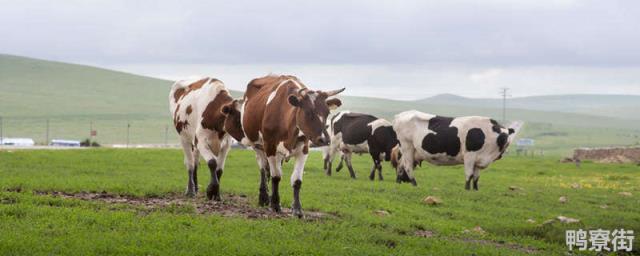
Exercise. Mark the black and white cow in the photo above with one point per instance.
(359, 133)
(473, 141)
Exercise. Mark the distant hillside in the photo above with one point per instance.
(74, 97)
(619, 106)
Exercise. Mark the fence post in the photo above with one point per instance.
(46, 140)
(166, 135)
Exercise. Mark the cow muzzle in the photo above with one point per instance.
(320, 141)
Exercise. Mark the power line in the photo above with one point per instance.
(504, 92)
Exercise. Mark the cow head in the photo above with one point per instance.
(312, 110)
(232, 122)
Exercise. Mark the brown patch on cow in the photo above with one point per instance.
(180, 125)
(212, 116)
(232, 206)
(233, 121)
(183, 91)
(189, 110)
(178, 93)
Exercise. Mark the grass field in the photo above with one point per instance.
(362, 217)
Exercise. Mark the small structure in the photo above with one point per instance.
(524, 145)
(608, 155)
(65, 143)
(20, 142)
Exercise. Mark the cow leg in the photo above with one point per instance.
(405, 170)
(380, 171)
(261, 158)
(326, 157)
(469, 166)
(347, 158)
(222, 156)
(372, 175)
(476, 177)
(190, 164)
(296, 183)
(275, 168)
(205, 146)
(196, 163)
(339, 167)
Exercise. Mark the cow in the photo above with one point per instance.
(474, 141)
(359, 133)
(196, 108)
(281, 117)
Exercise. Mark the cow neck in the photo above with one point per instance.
(294, 133)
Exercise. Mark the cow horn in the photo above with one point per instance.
(334, 92)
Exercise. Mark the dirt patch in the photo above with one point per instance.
(230, 206)
(424, 233)
(502, 244)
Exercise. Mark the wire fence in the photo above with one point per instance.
(106, 131)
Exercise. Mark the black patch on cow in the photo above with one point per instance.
(475, 139)
(502, 141)
(354, 127)
(444, 140)
(383, 140)
(511, 131)
(496, 126)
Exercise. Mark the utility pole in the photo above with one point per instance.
(128, 126)
(46, 141)
(504, 92)
(90, 131)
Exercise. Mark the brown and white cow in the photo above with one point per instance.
(196, 106)
(280, 117)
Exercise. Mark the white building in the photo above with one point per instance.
(21, 142)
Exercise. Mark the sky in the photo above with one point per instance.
(392, 49)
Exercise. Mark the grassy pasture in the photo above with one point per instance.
(373, 218)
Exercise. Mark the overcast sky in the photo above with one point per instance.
(395, 49)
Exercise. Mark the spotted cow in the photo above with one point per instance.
(281, 117)
(196, 106)
(359, 133)
(473, 141)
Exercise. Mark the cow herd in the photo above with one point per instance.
(281, 118)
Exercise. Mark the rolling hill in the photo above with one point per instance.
(70, 98)
(619, 106)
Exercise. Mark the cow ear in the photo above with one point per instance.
(294, 100)
(511, 131)
(334, 103)
(226, 109)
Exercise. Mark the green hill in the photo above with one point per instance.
(619, 106)
(71, 98)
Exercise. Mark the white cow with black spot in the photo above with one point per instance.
(474, 141)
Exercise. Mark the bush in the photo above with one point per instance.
(88, 143)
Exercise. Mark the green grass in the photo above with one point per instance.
(36, 224)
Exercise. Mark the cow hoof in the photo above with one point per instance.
(213, 193)
(263, 200)
(190, 194)
(413, 182)
(371, 177)
(297, 212)
(398, 180)
(276, 208)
